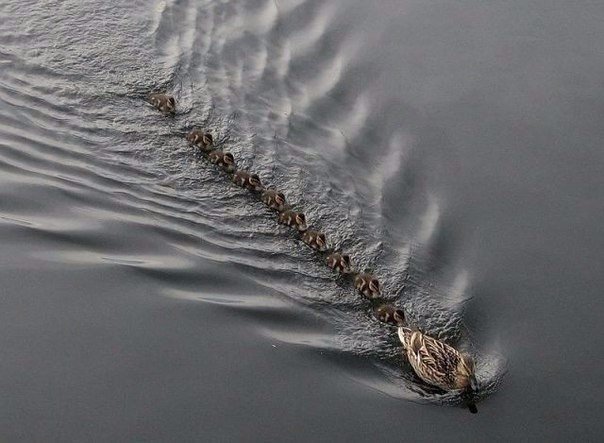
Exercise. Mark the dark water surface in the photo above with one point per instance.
(454, 147)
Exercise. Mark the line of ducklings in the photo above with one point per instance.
(435, 362)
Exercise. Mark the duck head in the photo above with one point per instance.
(467, 370)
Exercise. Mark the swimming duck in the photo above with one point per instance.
(165, 103)
(367, 285)
(437, 363)
(339, 262)
(203, 140)
(225, 160)
(293, 219)
(248, 181)
(389, 314)
(274, 199)
(315, 240)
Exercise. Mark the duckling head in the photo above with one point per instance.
(301, 222)
(208, 139)
(280, 201)
(255, 183)
(321, 241)
(171, 104)
(229, 162)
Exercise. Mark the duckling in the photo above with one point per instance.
(248, 181)
(165, 103)
(315, 240)
(293, 219)
(339, 262)
(389, 314)
(437, 363)
(367, 285)
(225, 160)
(203, 140)
(274, 199)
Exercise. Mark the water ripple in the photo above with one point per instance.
(278, 84)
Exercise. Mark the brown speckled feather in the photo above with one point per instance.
(434, 361)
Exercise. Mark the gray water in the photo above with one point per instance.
(454, 148)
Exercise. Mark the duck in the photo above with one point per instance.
(293, 219)
(339, 262)
(389, 314)
(203, 140)
(367, 285)
(437, 363)
(248, 181)
(224, 160)
(315, 240)
(164, 102)
(274, 199)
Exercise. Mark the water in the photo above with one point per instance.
(452, 147)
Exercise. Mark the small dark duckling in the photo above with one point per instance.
(203, 140)
(315, 240)
(367, 285)
(339, 262)
(293, 219)
(248, 181)
(274, 199)
(225, 160)
(165, 103)
(389, 314)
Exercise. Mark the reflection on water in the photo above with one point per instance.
(426, 140)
